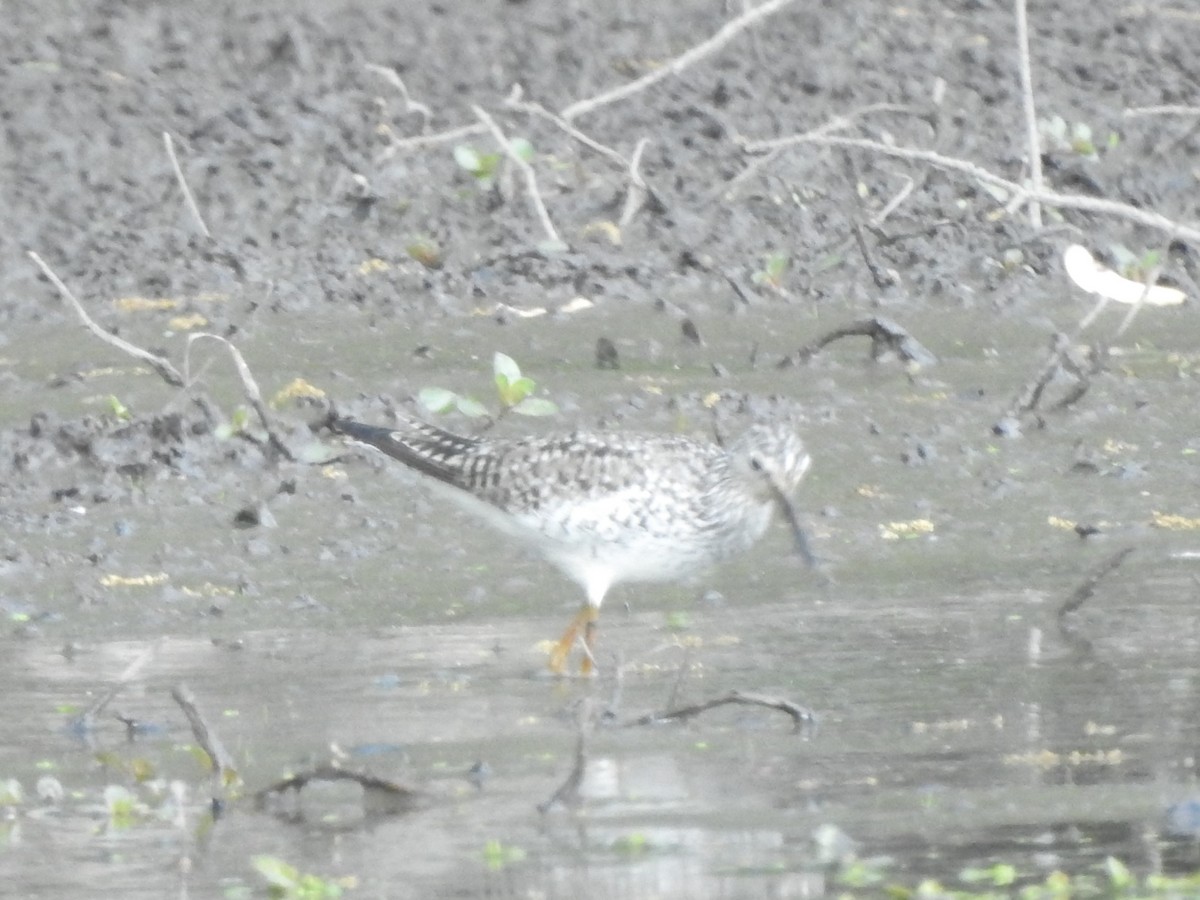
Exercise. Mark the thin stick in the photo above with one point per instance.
(410, 105)
(169, 143)
(535, 195)
(515, 102)
(1031, 129)
(249, 387)
(1085, 590)
(1135, 112)
(224, 770)
(430, 140)
(728, 32)
(635, 198)
(160, 364)
(88, 717)
(1047, 197)
(802, 716)
(837, 123)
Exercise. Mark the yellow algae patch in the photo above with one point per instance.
(1064, 524)
(187, 323)
(604, 229)
(1172, 522)
(869, 491)
(914, 528)
(135, 580)
(373, 266)
(208, 589)
(1048, 759)
(298, 387)
(711, 400)
(145, 304)
(335, 472)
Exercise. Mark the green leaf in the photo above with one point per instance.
(1118, 873)
(468, 158)
(506, 366)
(436, 399)
(278, 873)
(119, 409)
(536, 406)
(522, 149)
(470, 408)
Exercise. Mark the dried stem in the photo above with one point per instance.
(1047, 197)
(728, 32)
(169, 143)
(249, 387)
(160, 364)
(535, 195)
(1031, 129)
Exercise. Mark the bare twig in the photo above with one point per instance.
(380, 796)
(224, 770)
(1031, 128)
(728, 32)
(1084, 592)
(517, 103)
(802, 716)
(410, 105)
(160, 364)
(249, 388)
(638, 191)
(887, 336)
(892, 205)
(88, 717)
(1135, 112)
(1049, 198)
(430, 140)
(535, 195)
(169, 143)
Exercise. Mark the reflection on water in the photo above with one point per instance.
(943, 742)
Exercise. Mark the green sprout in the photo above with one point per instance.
(771, 275)
(484, 166)
(514, 390)
(119, 409)
(284, 880)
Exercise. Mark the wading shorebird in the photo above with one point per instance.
(610, 507)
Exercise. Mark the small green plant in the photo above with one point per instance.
(484, 166)
(514, 391)
(119, 409)
(236, 425)
(1135, 266)
(284, 880)
(497, 855)
(1061, 136)
(771, 275)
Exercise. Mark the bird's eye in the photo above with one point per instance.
(756, 464)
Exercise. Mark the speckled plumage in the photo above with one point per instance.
(610, 507)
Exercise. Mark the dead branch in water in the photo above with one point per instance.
(224, 771)
(802, 717)
(887, 336)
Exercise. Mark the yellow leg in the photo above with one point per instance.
(584, 619)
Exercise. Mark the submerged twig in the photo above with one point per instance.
(224, 771)
(1084, 592)
(87, 718)
(381, 796)
(802, 716)
(567, 793)
(887, 336)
